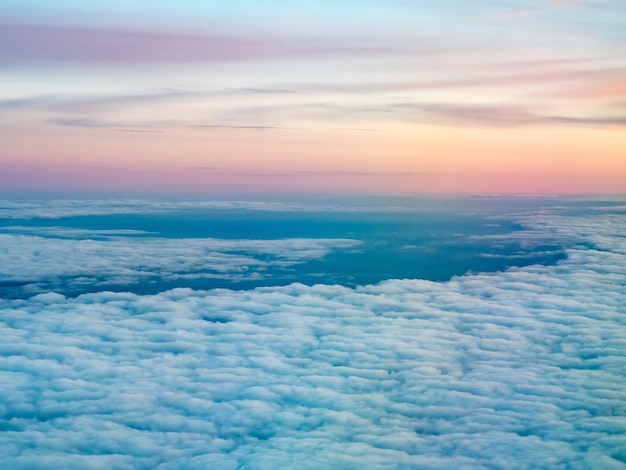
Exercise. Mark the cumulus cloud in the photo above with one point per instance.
(519, 368)
(39, 263)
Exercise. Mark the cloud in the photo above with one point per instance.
(66, 232)
(116, 126)
(473, 114)
(88, 103)
(592, 85)
(14, 209)
(593, 78)
(525, 364)
(231, 126)
(93, 46)
(57, 208)
(46, 43)
(545, 8)
(305, 174)
(480, 114)
(549, 73)
(450, 114)
(101, 259)
(154, 126)
(592, 121)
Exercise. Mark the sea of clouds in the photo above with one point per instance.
(517, 369)
(42, 262)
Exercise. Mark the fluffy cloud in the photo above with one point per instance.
(38, 263)
(520, 368)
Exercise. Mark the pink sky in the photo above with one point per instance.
(253, 99)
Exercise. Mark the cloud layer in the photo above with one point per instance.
(521, 368)
(41, 264)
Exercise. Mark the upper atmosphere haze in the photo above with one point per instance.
(318, 97)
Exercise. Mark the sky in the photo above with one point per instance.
(264, 96)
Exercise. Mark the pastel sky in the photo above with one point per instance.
(376, 96)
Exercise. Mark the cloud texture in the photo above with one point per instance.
(523, 368)
(41, 263)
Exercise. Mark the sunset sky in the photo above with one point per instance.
(374, 96)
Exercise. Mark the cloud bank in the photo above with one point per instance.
(41, 264)
(521, 368)
(58, 208)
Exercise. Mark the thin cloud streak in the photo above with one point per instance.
(494, 115)
(588, 76)
(545, 8)
(152, 127)
(27, 43)
(24, 43)
(308, 173)
(490, 115)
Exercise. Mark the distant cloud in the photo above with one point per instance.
(524, 364)
(90, 103)
(490, 115)
(41, 263)
(101, 46)
(596, 86)
(505, 115)
(154, 126)
(66, 232)
(354, 173)
(27, 43)
(545, 8)
(96, 123)
(500, 74)
(592, 121)
(57, 208)
(232, 126)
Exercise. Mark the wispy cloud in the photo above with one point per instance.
(593, 121)
(26, 43)
(233, 126)
(587, 81)
(544, 8)
(531, 74)
(494, 115)
(153, 126)
(314, 173)
(86, 102)
(448, 114)
(96, 123)
(70, 44)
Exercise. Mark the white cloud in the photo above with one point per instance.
(54, 263)
(520, 368)
(58, 208)
(69, 232)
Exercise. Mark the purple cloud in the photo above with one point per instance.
(23, 43)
